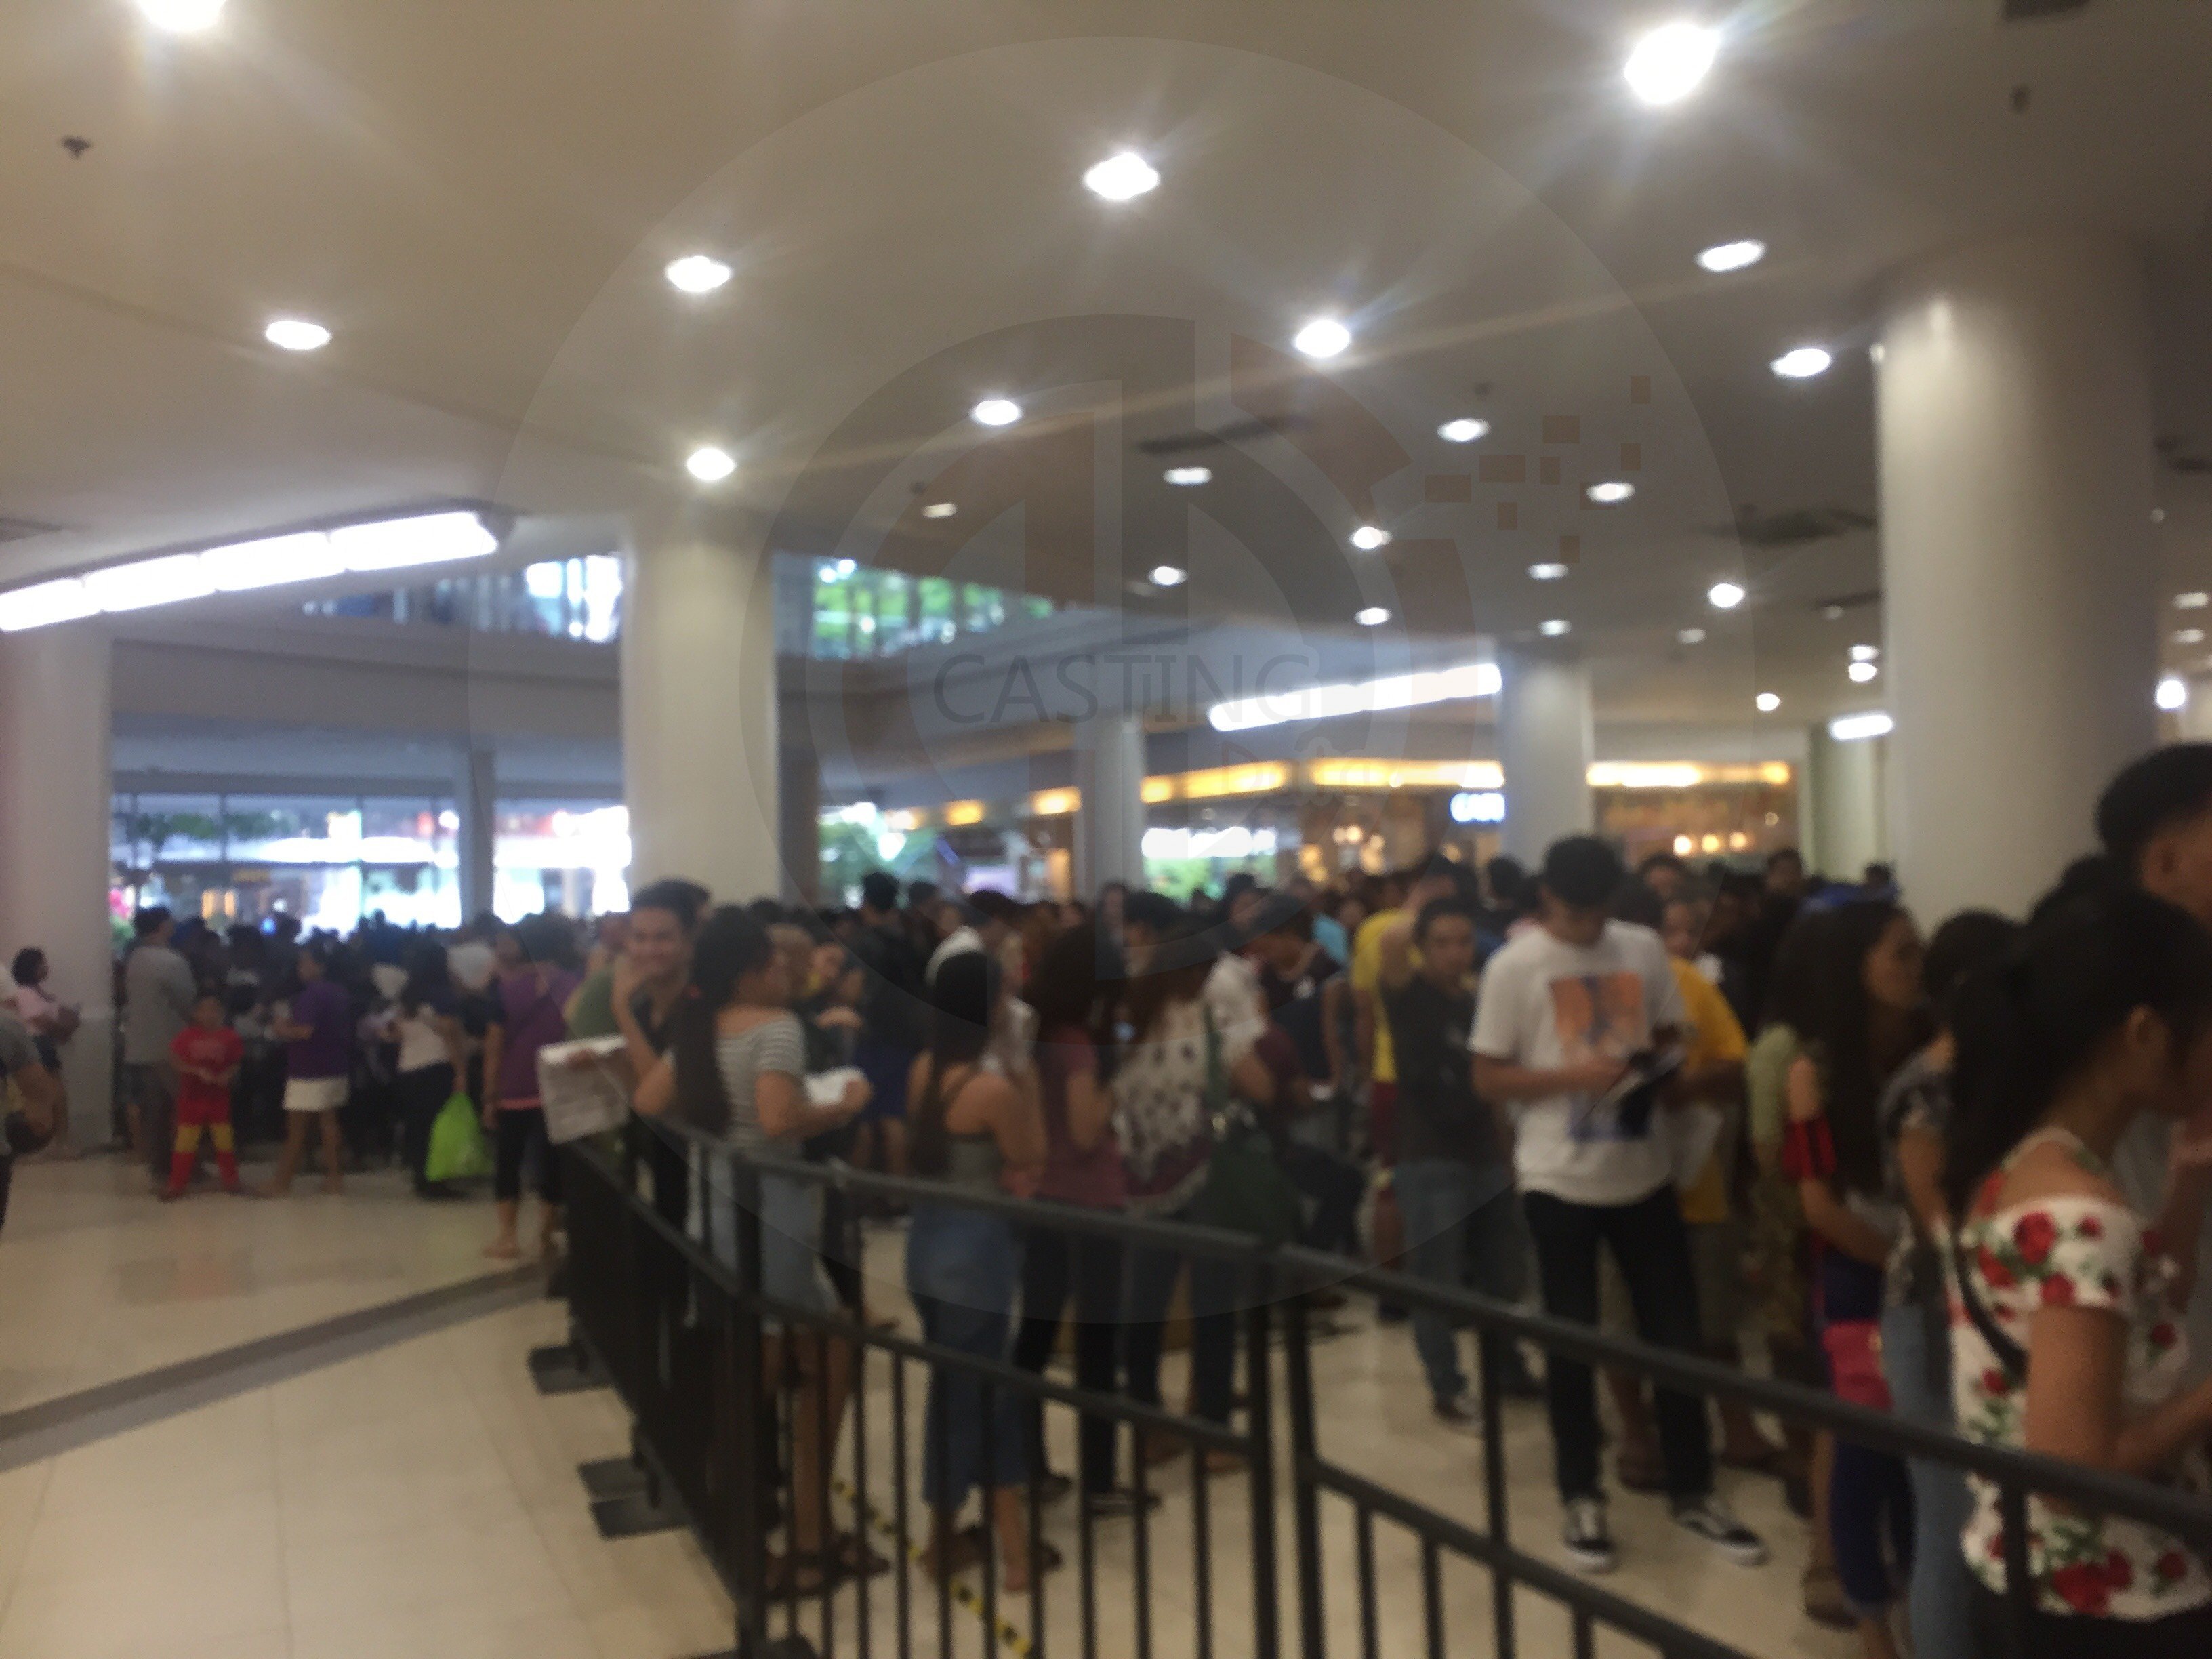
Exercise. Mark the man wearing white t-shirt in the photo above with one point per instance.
(1564, 1007)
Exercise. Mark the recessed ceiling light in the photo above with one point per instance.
(1724, 596)
(1188, 475)
(1465, 430)
(1865, 653)
(1666, 65)
(1553, 629)
(2173, 693)
(940, 510)
(1368, 537)
(1854, 728)
(997, 412)
(1169, 575)
(1802, 362)
(1691, 636)
(1862, 672)
(1611, 493)
(1732, 256)
(1120, 177)
(296, 334)
(697, 273)
(709, 465)
(1766, 702)
(2191, 601)
(1324, 337)
(1548, 573)
(1373, 617)
(181, 17)
(2188, 636)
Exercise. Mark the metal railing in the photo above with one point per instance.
(685, 1337)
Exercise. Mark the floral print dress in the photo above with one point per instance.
(2067, 1251)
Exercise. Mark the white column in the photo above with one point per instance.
(1846, 821)
(56, 802)
(2015, 446)
(699, 705)
(1109, 823)
(1546, 742)
(475, 799)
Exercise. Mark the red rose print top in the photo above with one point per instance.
(2087, 1253)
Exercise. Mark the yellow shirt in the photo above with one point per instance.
(1367, 980)
(1716, 1039)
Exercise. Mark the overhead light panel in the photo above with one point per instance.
(709, 465)
(1723, 257)
(1169, 575)
(1324, 337)
(1313, 702)
(270, 561)
(2173, 693)
(1119, 177)
(395, 543)
(1691, 636)
(1373, 617)
(1724, 596)
(1865, 653)
(1548, 573)
(996, 411)
(1668, 63)
(2188, 636)
(147, 582)
(1766, 702)
(1802, 362)
(46, 603)
(697, 273)
(1861, 672)
(296, 334)
(2191, 601)
(1465, 430)
(181, 17)
(1553, 629)
(1611, 493)
(940, 510)
(1189, 477)
(1368, 537)
(1855, 728)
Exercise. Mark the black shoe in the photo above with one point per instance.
(1051, 1488)
(1116, 1503)
(1391, 1313)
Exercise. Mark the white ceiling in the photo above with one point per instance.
(479, 200)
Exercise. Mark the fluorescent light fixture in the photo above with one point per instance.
(1373, 617)
(1611, 493)
(1189, 477)
(394, 543)
(45, 602)
(1691, 636)
(1369, 537)
(2173, 693)
(1317, 702)
(296, 334)
(709, 465)
(1666, 65)
(1324, 337)
(996, 411)
(1119, 177)
(697, 273)
(181, 17)
(2191, 601)
(1724, 596)
(242, 566)
(1854, 728)
(1865, 653)
(1861, 672)
(1169, 575)
(1553, 628)
(1802, 362)
(940, 509)
(1548, 573)
(1464, 430)
(149, 582)
(1732, 256)
(1766, 702)
(1645, 774)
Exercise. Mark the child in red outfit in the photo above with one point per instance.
(207, 1054)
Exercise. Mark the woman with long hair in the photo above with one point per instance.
(1865, 1020)
(736, 1069)
(2066, 1336)
(427, 1026)
(975, 1129)
(528, 1010)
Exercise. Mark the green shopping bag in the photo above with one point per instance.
(457, 1144)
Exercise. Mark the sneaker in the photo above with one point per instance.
(1588, 1542)
(1712, 1520)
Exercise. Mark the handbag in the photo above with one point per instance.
(1246, 1189)
(457, 1150)
(1854, 1348)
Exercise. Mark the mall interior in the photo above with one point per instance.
(489, 457)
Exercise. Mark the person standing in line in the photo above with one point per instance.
(1562, 1010)
(650, 979)
(528, 1012)
(891, 1021)
(157, 1004)
(207, 1054)
(51, 1022)
(1454, 1177)
(29, 1126)
(318, 1030)
(431, 1054)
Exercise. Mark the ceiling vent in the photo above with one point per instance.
(22, 530)
(1793, 526)
(1238, 432)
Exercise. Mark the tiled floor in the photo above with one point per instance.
(423, 1499)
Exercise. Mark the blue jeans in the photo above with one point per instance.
(1940, 1599)
(962, 1269)
(1461, 1230)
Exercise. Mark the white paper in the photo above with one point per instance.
(581, 1100)
(828, 1088)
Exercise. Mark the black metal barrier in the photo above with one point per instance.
(688, 1340)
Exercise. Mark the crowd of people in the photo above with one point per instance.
(1744, 1115)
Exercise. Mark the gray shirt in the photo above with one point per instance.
(157, 1003)
(775, 1045)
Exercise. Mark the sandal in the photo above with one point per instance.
(809, 1572)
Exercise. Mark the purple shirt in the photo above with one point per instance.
(1093, 1179)
(325, 1010)
(532, 1016)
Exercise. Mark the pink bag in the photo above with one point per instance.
(1854, 1348)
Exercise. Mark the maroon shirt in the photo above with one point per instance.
(1094, 1179)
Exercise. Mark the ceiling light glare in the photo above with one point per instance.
(1315, 702)
(149, 582)
(2191, 601)
(1766, 702)
(1189, 477)
(1465, 430)
(1855, 728)
(1865, 653)
(1666, 65)
(1691, 636)
(1169, 575)
(1324, 337)
(1724, 596)
(697, 273)
(2188, 636)
(1369, 537)
(1120, 178)
(1373, 617)
(1861, 671)
(296, 334)
(1548, 573)
(1802, 362)
(1611, 493)
(940, 510)
(393, 544)
(1553, 629)
(2173, 693)
(181, 17)
(1723, 257)
(709, 465)
(44, 603)
(273, 560)
(996, 411)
